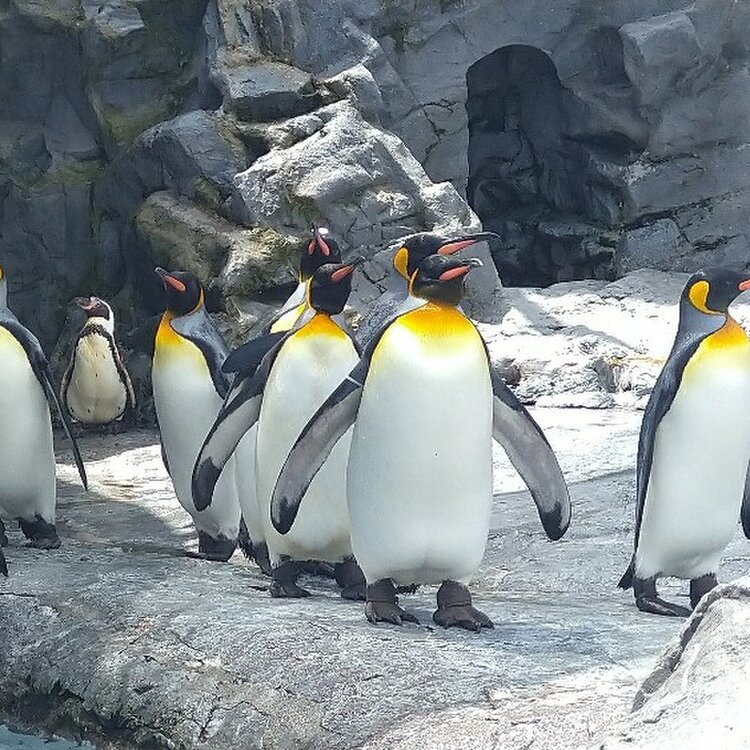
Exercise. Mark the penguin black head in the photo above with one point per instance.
(94, 307)
(712, 290)
(415, 248)
(321, 249)
(330, 287)
(440, 278)
(184, 291)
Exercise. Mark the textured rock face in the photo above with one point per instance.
(595, 138)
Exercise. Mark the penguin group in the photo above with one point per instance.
(367, 455)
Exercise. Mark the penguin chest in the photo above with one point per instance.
(700, 462)
(187, 404)
(420, 471)
(27, 462)
(306, 371)
(95, 393)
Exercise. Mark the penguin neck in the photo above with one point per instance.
(321, 324)
(96, 321)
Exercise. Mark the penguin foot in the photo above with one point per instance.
(382, 604)
(3, 535)
(455, 609)
(284, 583)
(701, 586)
(40, 533)
(647, 600)
(658, 606)
(218, 549)
(351, 579)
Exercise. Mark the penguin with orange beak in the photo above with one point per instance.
(694, 448)
(425, 403)
(189, 388)
(410, 252)
(294, 378)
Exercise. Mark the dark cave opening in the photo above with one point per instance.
(541, 163)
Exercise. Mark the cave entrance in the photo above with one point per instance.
(535, 152)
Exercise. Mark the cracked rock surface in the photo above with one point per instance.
(120, 638)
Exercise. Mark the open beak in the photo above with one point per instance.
(318, 240)
(167, 278)
(86, 303)
(453, 246)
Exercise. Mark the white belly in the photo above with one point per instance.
(305, 373)
(186, 405)
(95, 395)
(27, 459)
(420, 468)
(700, 461)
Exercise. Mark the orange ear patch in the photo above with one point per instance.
(698, 295)
(400, 261)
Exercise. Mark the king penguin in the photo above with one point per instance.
(694, 447)
(292, 381)
(425, 402)
(319, 249)
(409, 253)
(189, 388)
(27, 458)
(96, 387)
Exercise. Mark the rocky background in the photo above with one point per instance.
(596, 138)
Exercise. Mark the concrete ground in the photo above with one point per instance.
(120, 638)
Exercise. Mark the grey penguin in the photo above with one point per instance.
(292, 381)
(694, 447)
(425, 402)
(96, 387)
(409, 252)
(28, 491)
(189, 388)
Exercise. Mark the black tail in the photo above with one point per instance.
(244, 542)
(626, 582)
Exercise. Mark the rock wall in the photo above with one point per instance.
(595, 138)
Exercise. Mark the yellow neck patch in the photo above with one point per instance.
(698, 295)
(320, 325)
(436, 320)
(730, 335)
(288, 319)
(165, 334)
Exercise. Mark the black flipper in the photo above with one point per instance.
(315, 443)
(532, 457)
(238, 414)
(198, 328)
(40, 366)
(745, 512)
(247, 357)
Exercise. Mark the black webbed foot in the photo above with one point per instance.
(382, 604)
(701, 586)
(40, 533)
(284, 583)
(455, 609)
(351, 579)
(647, 600)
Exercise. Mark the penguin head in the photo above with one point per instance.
(440, 278)
(329, 288)
(416, 247)
(317, 251)
(712, 290)
(95, 307)
(184, 291)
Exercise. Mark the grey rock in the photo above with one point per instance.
(654, 245)
(267, 91)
